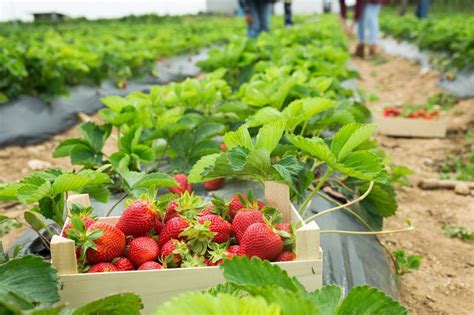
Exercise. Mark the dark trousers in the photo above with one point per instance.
(422, 9)
(288, 18)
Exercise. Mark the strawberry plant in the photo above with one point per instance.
(404, 263)
(459, 232)
(38, 292)
(267, 289)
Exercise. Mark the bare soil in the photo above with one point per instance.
(444, 284)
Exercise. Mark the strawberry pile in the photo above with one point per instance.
(413, 112)
(181, 232)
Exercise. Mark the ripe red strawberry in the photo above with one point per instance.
(172, 230)
(286, 227)
(236, 204)
(235, 250)
(207, 210)
(172, 252)
(143, 249)
(186, 205)
(259, 240)
(243, 220)
(219, 226)
(286, 256)
(87, 221)
(102, 267)
(138, 219)
(110, 245)
(158, 225)
(214, 184)
(123, 264)
(183, 185)
(150, 265)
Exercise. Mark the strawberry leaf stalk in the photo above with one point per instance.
(199, 236)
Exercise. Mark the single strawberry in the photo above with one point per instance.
(186, 205)
(214, 184)
(207, 210)
(243, 220)
(217, 254)
(235, 250)
(150, 265)
(183, 185)
(283, 227)
(102, 267)
(223, 147)
(123, 264)
(105, 248)
(285, 256)
(172, 230)
(84, 213)
(158, 225)
(143, 249)
(87, 221)
(261, 241)
(219, 226)
(138, 219)
(243, 202)
(171, 253)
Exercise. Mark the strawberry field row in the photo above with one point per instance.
(42, 59)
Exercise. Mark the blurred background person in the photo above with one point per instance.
(257, 16)
(422, 9)
(287, 16)
(366, 15)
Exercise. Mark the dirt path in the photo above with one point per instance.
(444, 284)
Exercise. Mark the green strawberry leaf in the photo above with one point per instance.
(366, 300)
(30, 278)
(269, 135)
(381, 200)
(328, 298)
(244, 272)
(204, 303)
(240, 137)
(350, 137)
(117, 304)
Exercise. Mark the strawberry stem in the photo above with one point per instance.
(116, 204)
(303, 209)
(347, 204)
(367, 233)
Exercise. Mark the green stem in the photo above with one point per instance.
(358, 217)
(316, 164)
(304, 206)
(116, 204)
(304, 127)
(313, 217)
(366, 233)
(161, 157)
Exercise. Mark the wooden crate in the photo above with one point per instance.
(406, 127)
(158, 286)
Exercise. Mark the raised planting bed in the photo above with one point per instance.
(157, 286)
